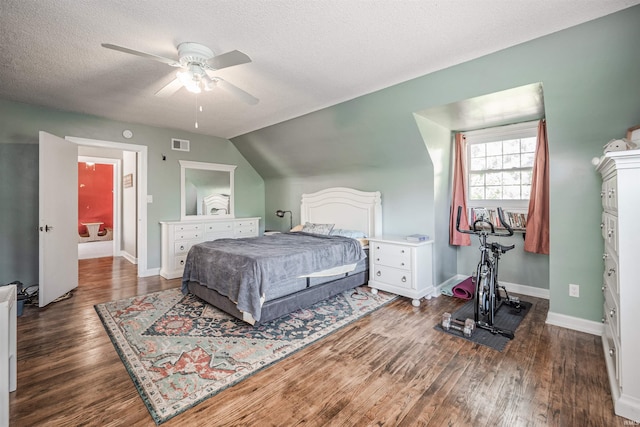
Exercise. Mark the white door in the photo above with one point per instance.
(58, 220)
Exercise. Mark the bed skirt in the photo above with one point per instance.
(286, 304)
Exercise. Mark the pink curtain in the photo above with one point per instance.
(537, 237)
(459, 196)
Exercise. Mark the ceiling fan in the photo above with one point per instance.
(196, 62)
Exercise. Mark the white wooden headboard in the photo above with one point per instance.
(346, 208)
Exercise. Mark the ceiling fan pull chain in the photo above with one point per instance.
(197, 111)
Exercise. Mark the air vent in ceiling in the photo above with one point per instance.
(179, 144)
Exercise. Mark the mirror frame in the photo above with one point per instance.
(186, 164)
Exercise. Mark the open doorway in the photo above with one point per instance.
(99, 207)
(131, 231)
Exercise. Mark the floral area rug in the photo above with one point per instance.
(179, 350)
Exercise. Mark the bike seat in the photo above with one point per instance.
(498, 247)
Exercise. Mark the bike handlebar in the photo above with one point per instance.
(482, 220)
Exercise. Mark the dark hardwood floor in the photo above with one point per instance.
(389, 368)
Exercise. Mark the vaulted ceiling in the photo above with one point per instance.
(306, 55)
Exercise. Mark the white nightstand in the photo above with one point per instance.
(401, 267)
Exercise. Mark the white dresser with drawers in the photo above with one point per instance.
(621, 279)
(401, 267)
(179, 236)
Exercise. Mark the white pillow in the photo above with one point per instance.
(354, 234)
(310, 227)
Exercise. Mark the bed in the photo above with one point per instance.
(256, 264)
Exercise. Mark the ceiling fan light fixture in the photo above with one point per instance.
(208, 83)
(189, 80)
(194, 61)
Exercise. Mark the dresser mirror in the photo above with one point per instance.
(206, 190)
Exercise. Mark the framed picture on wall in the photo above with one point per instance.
(127, 180)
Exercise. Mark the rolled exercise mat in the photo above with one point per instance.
(464, 289)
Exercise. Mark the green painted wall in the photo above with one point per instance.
(590, 74)
(18, 213)
(439, 143)
(19, 126)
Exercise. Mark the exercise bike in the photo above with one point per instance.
(488, 298)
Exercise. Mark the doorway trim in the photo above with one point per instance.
(141, 194)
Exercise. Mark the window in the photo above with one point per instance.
(500, 163)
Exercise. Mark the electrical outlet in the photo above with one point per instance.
(574, 290)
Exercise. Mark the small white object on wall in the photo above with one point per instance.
(127, 133)
(179, 144)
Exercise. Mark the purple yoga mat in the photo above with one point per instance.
(464, 289)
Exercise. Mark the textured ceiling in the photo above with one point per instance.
(306, 55)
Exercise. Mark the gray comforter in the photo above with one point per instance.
(243, 269)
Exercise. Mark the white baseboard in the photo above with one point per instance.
(575, 323)
(454, 279)
(150, 272)
(531, 291)
(126, 255)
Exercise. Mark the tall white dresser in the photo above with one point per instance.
(621, 280)
(179, 236)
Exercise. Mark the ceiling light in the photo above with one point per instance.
(208, 83)
(190, 80)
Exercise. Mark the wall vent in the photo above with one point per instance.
(179, 144)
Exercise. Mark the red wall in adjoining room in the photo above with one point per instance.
(95, 194)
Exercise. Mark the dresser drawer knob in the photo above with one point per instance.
(404, 279)
(378, 247)
(182, 248)
(181, 262)
(601, 194)
(378, 259)
(604, 288)
(605, 256)
(611, 271)
(604, 320)
(610, 233)
(612, 312)
(378, 274)
(402, 251)
(612, 352)
(402, 264)
(601, 225)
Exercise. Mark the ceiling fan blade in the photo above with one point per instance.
(229, 59)
(162, 59)
(171, 88)
(235, 90)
